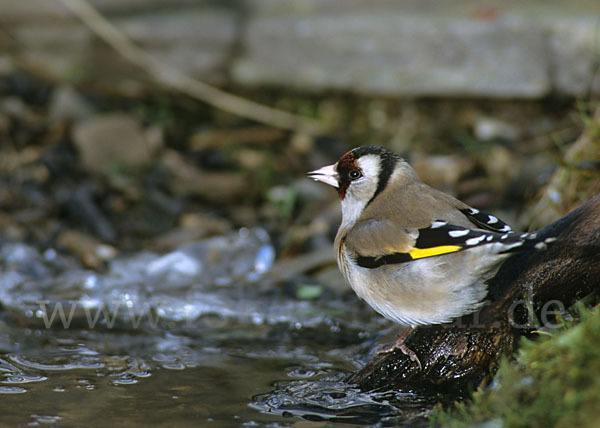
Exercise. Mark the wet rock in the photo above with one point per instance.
(198, 278)
(113, 141)
(22, 259)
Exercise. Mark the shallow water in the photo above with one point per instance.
(195, 337)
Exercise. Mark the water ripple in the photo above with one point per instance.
(332, 399)
(12, 390)
(83, 364)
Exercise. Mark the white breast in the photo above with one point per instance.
(432, 290)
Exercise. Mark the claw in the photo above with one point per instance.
(399, 344)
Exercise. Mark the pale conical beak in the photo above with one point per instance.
(327, 175)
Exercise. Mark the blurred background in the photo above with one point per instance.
(153, 155)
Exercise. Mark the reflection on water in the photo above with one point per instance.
(187, 338)
(331, 399)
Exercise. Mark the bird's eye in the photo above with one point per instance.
(354, 174)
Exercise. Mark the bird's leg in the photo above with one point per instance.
(399, 344)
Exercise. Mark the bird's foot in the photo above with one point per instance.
(400, 345)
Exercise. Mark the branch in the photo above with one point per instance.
(169, 77)
(526, 289)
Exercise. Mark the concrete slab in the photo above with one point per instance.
(414, 48)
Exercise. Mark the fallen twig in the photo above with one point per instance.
(170, 77)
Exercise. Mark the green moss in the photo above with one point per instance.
(554, 382)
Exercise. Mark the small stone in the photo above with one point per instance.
(66, 104)
(488, 128)
(93, 253)
(115, 140)
(16, 108)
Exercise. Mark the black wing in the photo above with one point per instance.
(442, 238)
(486, 221)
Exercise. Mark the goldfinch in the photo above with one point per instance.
(416, 255)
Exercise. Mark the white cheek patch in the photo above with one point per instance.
(370, 165)
(360, 191)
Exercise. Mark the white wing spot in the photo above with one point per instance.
(524, 235)
(489, 238)
(492, 219)
(506, 228)
(540, 246)
(513, 245)
(474, 211)
(458, 233)
(475, 241)
(549, 240)
(504, 236)
(438, 223)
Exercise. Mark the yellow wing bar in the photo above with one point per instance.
(419, 253)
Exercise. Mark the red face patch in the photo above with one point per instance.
(346, 164)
